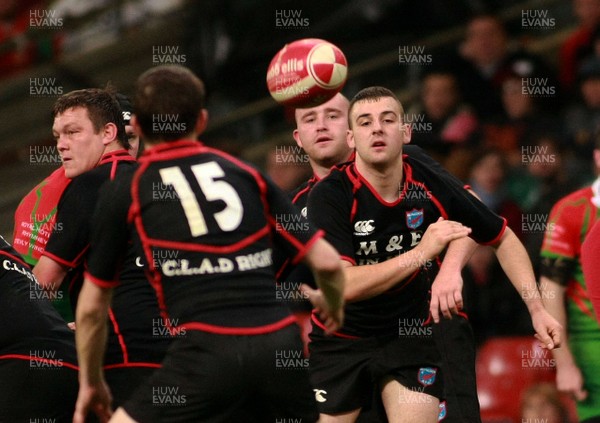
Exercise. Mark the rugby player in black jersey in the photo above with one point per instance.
(216, 289)
(89, 131)
(321, 131)
(389, 216)
(38, 365)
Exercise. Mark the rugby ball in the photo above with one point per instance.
(306, 73)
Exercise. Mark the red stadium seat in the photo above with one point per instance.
(506, 367)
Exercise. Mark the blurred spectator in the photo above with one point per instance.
(582, 118)
(442, 124)
(486, 59)
(542, 403)
(24, 39)
(522, 116)
(578, 44)
(494, 306)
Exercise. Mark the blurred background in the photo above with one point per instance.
(509, 102)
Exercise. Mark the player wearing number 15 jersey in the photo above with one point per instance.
(211, 220)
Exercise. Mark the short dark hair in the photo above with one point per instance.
(373, 93)
(167, 102)
(102, 108)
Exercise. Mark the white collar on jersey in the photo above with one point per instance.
(596, 192)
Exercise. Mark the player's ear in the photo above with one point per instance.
(407, 128)
(109, 133)
(296, 136)
(350, 138)
(202, 121)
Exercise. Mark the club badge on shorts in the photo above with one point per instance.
(414, 218)
(427, 376)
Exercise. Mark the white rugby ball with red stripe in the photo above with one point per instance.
(306, 73)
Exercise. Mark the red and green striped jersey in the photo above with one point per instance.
(570, 220)
(35, 217)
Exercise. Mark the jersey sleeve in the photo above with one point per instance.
(294, 234)
(459, 205)
(110, 233)
(69, 240)
(329, 209)
(560, 247)
(590, 256)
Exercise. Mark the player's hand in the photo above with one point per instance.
(438, 235)
(547, 328)
(332, 319)
(446, 295)
(93, 398)
(569, 380)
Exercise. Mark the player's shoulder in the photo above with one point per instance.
(574, 200)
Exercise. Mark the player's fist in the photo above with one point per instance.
(331, 318)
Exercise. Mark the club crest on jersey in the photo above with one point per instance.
(442, 413)
(414, 218)
(427, 376)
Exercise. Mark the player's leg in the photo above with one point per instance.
(456, 344)
(349, 417)
(340, 376)
(404, 405)
(121, 416)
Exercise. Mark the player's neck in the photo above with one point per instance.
(384, 179)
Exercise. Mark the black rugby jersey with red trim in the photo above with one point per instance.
(32, 329)
(365, 229)
(136, 335)
(207, 223)
(299, 197)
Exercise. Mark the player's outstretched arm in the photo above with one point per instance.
(328, 300)
(515, 262)
(569, 379)
(90, 336)
(367, 281)
(446, 290)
